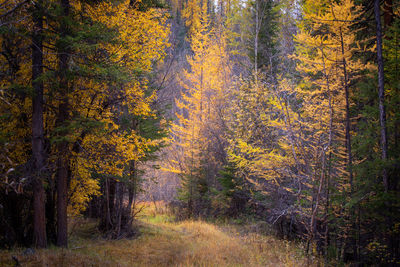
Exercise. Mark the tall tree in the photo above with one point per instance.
(198, 130)
(381, 93)
(38, 152)
(62, 118)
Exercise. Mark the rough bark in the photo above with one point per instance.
(39, 222)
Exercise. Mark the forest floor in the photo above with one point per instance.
(163, 242)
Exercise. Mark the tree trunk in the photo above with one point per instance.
(62, 192)
(381, 92)
(132, 186)
(105, 218)
(329, 150)
(39, 220)
(318, 196)
(51, 214)
(111, 198)
(63, 115)
(257, 29)
(130, 199)
(119, 208)
(347, 123)
(109, 207)
(382, 118)
(348, 145)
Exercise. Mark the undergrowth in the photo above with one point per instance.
(163, 242)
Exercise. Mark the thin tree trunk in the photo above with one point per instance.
(318, 196)
(347, 123)
(119, 207)
(326, 220)
(108, 208)
(132, 186)
(130, 200)
(382, 118)
(133, 174)
(190, 180)
(111, 201)
(39, 220)
(348, 141)
(257, 29)
(381, 92)
(324, 149)
(329, 148)
(106, 216)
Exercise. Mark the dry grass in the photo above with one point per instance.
(164, 243)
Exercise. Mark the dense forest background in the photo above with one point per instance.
(285, 111)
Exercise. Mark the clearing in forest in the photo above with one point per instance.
(166, 243)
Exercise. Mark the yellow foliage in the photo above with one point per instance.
(202, 100)
(94, 104)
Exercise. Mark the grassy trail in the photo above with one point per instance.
(163, 243)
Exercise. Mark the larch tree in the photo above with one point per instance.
(199, 121)
(329, 59)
